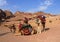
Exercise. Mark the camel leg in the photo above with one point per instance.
(38, 30)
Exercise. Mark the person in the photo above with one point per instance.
(20, 25)
(43, 21)
(26, 19)
(26, 28)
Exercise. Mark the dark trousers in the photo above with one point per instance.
(43, 24)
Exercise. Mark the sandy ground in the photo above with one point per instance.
(51, 35)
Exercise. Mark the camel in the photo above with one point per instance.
(35, 26)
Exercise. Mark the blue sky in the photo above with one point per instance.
(48, 6)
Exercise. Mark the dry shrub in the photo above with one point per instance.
(50, 21)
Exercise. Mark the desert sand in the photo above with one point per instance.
(50, 35)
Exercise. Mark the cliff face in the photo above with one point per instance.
(5, 14)
(2, 14)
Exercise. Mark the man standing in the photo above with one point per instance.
(43, 20)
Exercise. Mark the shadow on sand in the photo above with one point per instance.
(47, 29)
(4, 33)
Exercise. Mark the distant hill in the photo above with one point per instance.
(8, 13)
(19, 15)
